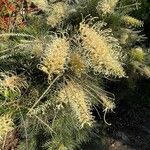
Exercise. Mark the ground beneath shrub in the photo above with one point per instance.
(124, 134)
(130, 129)
(132, 135)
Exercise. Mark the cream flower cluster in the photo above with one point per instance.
(78, 64)
(58, 13)
(107, 103)
(106, 6)
(74, 95)
(128, 20)
(6, 125)
(54, 58)
(12, 82)
(102, 50)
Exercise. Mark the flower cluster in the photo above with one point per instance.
(78, 64)
(106, 6)
(55, 56)
(74, 95)
(128, 20)
(137, 54)
(58, 13)
(102, 50)
(6, 125)
(42, 4)
(11, 82)
(37, 48)
(107, 103)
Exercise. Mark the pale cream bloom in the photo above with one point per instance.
(142, 68)
(101, 50)
(78, 64)
(6, 125)
(124, 36)
(106, 6)
(12, 82)
(37, 48)
(62, 147)
(129, 36)
(128, 20)
(137, 54)
(107, 103)
(54, 58)
(59, 12)
(74, 95)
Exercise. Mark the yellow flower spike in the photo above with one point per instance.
(6, 125)
(55, 56)
(75, 96)
(106, 6)
(102, 50)
(59, 12)
(77, 62)
(128, 20)
(137, 54)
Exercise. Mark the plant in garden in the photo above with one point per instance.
(52, 71)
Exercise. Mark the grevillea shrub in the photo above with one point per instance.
(54, 57)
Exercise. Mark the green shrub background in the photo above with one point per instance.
(71, 62)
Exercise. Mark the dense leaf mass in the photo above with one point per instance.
(56, 58)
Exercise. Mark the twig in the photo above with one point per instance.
(45, 92)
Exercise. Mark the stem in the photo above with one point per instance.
(45, 92)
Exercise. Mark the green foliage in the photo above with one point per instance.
(52, 69)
